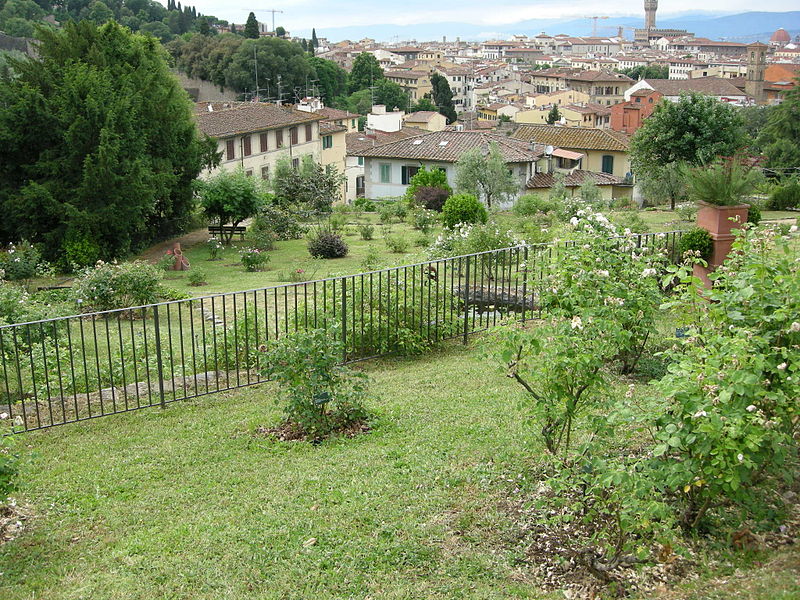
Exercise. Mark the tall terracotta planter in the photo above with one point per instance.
(720, 222)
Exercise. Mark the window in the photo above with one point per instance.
(249, 172)
(638, 99)
(386, 173)
(279, 138)
(265, 172)
(230, 150)
(248, 150)
(650, 100)
(608, 164)
(352, 122)
(309, 132)
(327, 142)
(294, 136)
(407, 173)
(360, 161)
(295, 163)
(264, 142)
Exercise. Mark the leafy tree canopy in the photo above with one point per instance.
(485, 177)
(366, 72)
(251, 27)
(97, 143)
(331, 78)
(443, 97)
(230, 197)
(781, 133)
(646, 72)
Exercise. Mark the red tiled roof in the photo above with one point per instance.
(247, 117)
(574, 179)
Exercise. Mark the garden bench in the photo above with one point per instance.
(227, 229)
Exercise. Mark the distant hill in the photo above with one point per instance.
(744, 27)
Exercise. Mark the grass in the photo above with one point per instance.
(187, 503)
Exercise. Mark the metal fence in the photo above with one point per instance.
(80, 367)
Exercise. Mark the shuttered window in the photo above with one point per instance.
(264, 142)
(293, 133)
(230, 150)
(248, 150)
(309, 132)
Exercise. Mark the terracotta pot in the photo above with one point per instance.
(717, 219)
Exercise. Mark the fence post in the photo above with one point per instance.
(344, 319)
(158, 357)
(525, 282)
(466, 305)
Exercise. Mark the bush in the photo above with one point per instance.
(19, 261)
(470, 239)
(432, 198)
(364, 204)
(325, 243)
(108, 286)
(422, 219)
(754, 214)
(463, 208)
(386, 213)
(337, 221)
(9, 461)
(397, 244)
(80, 250)
(316, 392)
(215, 248)
(367, 230)
(435, 179)
(785, 196)
(254, 259)
(281, 222)
(531, 204)
(696, 239)
(261, 237)
(197, 277)
(165, 263)
(687, 211)
(631, 221)
(371, 260)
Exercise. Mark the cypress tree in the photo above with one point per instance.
(251, 27)
(314, 40)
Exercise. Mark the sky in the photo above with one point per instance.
(301, 15)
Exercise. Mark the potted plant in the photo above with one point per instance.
(719, 189)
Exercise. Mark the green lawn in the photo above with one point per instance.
(188, 503)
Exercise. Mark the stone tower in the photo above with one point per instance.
(650, 7)
(756, 65)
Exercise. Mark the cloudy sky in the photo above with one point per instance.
(303, 14)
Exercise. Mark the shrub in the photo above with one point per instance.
(281, 222)
(19, 261)
(367, 230)
(785, 196)
(463, 208)
(470, 239)
(687, 211)
(422, 219)
(325, 243)
(107, 286)
(433, 179)
(261, 237)
(215, 248)
(726, 432)
(696, 239)
(386, 213)
(316, 392)
(754, 214)
(371, 260)
(432, 198)
(254, 259)
(166, 262)
(80, 250)
(397, 243)
(531, 204)
(197, 277)
(364, 204)
(9, 461)
(337, 221)
(722, 183)
(631, 221)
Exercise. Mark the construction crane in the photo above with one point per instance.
(594, 23)
(273, 11)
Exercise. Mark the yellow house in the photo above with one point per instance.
(334, 149)
(343, 118)
(605, 151)
(426, 119)
(417, 84)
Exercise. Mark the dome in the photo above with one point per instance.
(781, 36)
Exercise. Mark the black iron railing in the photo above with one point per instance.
(80, 367)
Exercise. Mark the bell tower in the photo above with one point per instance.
(756, 66)
(650, 7)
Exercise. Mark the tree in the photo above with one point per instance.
(553, 116)
(251, 27)
(780, 135)
(92, 150)
(391, 95)
(443, 97)
(280, 31)
(312, 187)
(314, 40)
(233, 28)
(331, 77)
(424, 103)
(365, 73)
(203, 27)
(230, 197)
(667, 185)
(276, 57)
(646, 72)
(695, 130)
(486, 177)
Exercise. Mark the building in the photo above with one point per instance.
(723, 90)
(426, 119)
(417, 84)
(627, 117)
(358, 141)
(756, 71)
(611, 187)
(254, 135)
(604, 151)
(389, 167)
